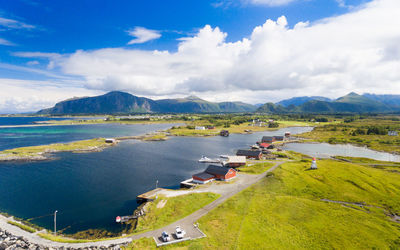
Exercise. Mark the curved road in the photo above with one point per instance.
(226, 192)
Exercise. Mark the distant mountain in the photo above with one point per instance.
(390, 100)
(110, 103)
(296, 101)
(272, 108)
(117, 102)
(351, 103)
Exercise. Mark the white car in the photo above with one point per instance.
(165, 236)
(179, 232)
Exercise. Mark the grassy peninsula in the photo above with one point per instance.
(44, 152)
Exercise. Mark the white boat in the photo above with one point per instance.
(204, 159)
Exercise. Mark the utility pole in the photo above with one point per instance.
(55, 222)
(156, 188)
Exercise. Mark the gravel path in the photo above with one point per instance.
(226, 191)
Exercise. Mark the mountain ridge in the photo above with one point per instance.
(117, 102)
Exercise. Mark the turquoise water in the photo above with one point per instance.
(42, 135)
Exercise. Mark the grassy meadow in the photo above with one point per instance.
(256, 168)
(174, 209)
(286, 211)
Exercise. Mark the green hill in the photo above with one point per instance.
(117, 102)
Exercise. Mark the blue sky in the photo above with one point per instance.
(58, 49)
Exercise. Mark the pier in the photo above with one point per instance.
(148, 196)
(188, 183)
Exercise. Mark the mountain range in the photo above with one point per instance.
(351, 103)
(117, 102)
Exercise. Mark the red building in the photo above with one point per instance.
(214, 173)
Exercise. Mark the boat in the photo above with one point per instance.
(255, 146)
(224, 156)
(204, 159)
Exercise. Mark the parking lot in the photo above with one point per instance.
(192, 232)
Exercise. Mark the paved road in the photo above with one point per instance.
(226, 191)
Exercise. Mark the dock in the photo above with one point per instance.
(148, 196)
(188, 183)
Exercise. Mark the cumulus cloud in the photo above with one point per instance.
(143, 35)
(357, 51)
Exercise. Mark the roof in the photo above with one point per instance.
(204, 175)
(279, 138)
(248, 152)
(217, 170)
(236, 159)
(265, 145)
(267, 138)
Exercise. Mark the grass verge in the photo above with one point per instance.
(22, 226)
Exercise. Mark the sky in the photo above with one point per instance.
(255, 51)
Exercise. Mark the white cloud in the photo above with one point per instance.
(5, 42)
(28, 95)
(270, 2)
(32, 63)
(358, 51)
(14, 24)
(36, 55)
(143, 35)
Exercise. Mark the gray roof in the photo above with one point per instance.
(267, 138)
(204, 175)
(217, 170)
(246, 152)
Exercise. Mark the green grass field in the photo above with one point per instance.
(257, 168)
(174, 209)
(285, 211)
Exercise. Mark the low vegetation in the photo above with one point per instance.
(365, 131)
(257, 168)
(286, 211)
(22, 226)
(174, 209)
(62, 239)
(39, 152)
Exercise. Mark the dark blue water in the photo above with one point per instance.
(42, 135)
(89, 190)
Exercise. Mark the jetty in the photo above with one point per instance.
(148, 196)
(188, 183)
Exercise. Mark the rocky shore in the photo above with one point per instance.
(12, 242)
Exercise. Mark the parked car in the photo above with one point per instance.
(165, 236)
(179, 232)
